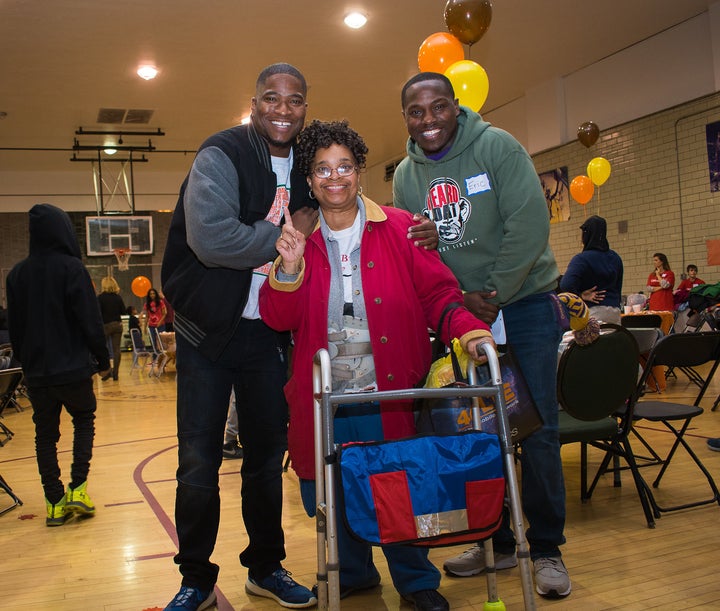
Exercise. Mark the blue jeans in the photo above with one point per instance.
(409, 566)
(254, 364)
(534, 335)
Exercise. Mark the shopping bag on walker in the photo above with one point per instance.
(454, 414)
(426, 490)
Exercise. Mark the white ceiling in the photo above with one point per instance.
(63, 60)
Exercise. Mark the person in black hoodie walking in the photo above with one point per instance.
(56, 332)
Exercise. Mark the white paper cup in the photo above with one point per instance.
(637, 307)
(628, 309)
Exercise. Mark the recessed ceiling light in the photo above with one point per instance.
(355, 20)
(147, 72)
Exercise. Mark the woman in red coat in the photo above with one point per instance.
(660, 285)
(359, 288)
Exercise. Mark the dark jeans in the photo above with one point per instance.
(47, 402)
(534, 334)
(255, 365)
(113, 332)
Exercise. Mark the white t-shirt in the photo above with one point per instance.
(347, 241)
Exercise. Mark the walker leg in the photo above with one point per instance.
(493, 603)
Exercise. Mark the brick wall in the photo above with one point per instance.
(659, 185)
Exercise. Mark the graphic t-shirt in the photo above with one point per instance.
(281, 166)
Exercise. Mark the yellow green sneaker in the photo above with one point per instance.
(57, 512)
(78, 500)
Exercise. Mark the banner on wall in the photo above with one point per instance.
(712, 130)
(555, 185)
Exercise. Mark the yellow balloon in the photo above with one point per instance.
(470, 82)
(598, 170)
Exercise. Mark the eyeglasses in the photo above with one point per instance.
(325, 171)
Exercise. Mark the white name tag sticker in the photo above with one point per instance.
(477, 184)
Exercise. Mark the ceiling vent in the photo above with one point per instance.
(118, 116)
(111, 115)
(137, 116)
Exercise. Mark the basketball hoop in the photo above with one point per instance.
(123, 258)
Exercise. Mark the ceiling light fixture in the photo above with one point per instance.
(245, 120)
(110, 151)
(355, 20)
(147, 72)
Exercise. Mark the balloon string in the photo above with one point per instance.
(598, 202)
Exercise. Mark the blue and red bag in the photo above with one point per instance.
(428, 490)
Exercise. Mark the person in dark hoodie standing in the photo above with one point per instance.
(596, 274)
(480, 187)
(56, 332)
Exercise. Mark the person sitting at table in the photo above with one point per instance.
(682, 292)
(596, 274)
(660, 285)
(359, 288)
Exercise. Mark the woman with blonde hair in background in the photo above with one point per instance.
(112, 308)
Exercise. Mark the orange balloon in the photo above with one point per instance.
(438, 52)
(582, 189)
(140, 286)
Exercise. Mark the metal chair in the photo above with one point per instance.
(641, 321)
(9, 380)
(140, 352)
(159, 356)
(594, 381)
(681, 350)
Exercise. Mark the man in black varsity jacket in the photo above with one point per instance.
(221, 242)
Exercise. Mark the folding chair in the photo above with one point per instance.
(681, 350)
(594, 381)
(641, 321)
(160, 357)
(9, 380)
(139, 350)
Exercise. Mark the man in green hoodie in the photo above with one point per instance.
(480, 187)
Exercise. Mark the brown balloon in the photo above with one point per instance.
(468, 20)
(588, 133)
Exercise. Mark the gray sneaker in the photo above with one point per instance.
(472, 562)
(551, 577)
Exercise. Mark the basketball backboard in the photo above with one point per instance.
(104, 233)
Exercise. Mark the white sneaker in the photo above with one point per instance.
(551, 577)
(472, 562)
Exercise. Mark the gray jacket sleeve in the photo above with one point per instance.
(214, 231)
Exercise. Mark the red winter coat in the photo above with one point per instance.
(406, 289)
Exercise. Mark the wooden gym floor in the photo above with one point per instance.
(121, 559)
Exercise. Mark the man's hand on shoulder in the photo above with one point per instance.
(305, 220)
(476, 302)
(423, 233)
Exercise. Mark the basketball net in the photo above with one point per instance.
(123, 258)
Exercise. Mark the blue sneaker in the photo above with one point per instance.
(714, 444)
(283, 589)
(192, 599)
